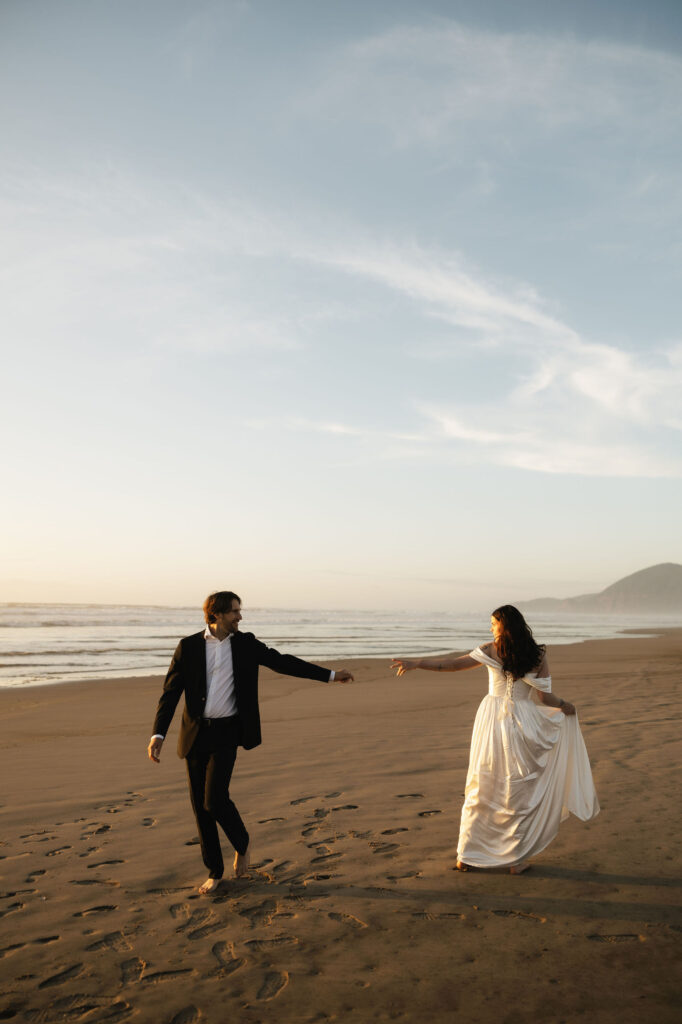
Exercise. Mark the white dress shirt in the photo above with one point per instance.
(220, 698)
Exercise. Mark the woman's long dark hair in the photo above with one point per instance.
(516, 647)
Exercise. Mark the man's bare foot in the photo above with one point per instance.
(518, 869)
(210, 885)
(241, 864)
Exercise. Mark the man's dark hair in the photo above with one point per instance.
(216, 604)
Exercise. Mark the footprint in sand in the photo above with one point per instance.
(384, 847)
(104, 863)
(114, 1012)
(324, 858)
(260, 913)
(410, 796)
(148, 822)
(72, 1008)
(208, 929)
(131, 970)
(520, 913)
(301, 800)
(65, 975)
(333, 796)
(268, 821)
(296, 880)
(11, 909)
(188, 1015)
(353, 922)
(160, 976)
(114, 941)
(192, 918)
(110, 810)
(346, 807)
(381, 893)
(360, 835)
(11, 949)
(224, 954)
(264, 945)
(93, 881)
(273, 983)
(624, 937)
(104, 908)
(56, 851)
(426, 915)
(169, 891)
(282, 866)
(429, 814)
(101, 829)
(393, 831)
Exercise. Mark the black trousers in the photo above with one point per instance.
(209, 770)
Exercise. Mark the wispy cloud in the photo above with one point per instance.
(446, 289)
(553, 444)
(170, 270)
(424, 83)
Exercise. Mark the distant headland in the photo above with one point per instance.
(655, 590)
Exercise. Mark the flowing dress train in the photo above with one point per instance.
(528, 769)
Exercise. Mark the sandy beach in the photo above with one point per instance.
(353, 911)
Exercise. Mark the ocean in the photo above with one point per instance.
(56, 643)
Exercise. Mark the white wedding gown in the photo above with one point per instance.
(528, 769)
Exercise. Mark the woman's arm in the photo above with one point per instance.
(551, 699)
(435, 664)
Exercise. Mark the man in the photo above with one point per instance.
(217, 670)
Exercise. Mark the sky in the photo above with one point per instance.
(339, 305)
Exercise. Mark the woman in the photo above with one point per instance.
(528, 766)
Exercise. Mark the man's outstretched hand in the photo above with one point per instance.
(154, 748)
(342, 675)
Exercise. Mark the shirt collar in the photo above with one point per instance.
(208, 635)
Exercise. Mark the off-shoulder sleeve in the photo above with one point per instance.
(478, 654)
(543, 683)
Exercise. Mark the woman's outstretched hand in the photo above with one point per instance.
(404, 665)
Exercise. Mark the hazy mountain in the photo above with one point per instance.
(654, 590)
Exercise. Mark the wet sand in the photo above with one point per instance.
(352, 912)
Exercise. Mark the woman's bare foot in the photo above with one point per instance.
(461, 866)
(241, 864)
(518, 869)
(210, 885)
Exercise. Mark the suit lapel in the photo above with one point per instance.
(198, 673)
(236, 642)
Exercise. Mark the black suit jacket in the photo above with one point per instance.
(187, 674)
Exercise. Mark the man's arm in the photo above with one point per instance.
(173, 686)
(288, 665)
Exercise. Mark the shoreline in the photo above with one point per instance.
(633, 632)
(353, 804)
